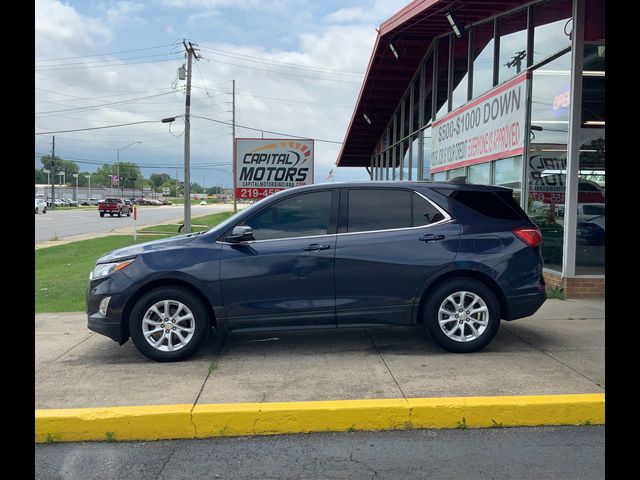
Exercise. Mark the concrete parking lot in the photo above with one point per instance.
(558, 350)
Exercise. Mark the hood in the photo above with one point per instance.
(154, 245)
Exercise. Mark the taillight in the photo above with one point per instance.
(530, 236)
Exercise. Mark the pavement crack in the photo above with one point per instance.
(64, 353)
(373, 472)
(385, 363)
(216, 357)
(166, 461)
(553, 357)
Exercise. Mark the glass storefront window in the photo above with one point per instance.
(460, 71)
(508, 173)
(414, 158)
(513, 45)
(482, 58)
(416, 104)
(455, 172)
(590, 231)
(428, 83)
(479, 173)
(439, 177)
(407, 110)
(552, 25)
(442, 95)
(547, 160)
(426, 153)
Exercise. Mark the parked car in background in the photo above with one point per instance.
(452, 258)
(58, 202)
(114, 206)
(41, 205)
(203, 202)
(71, 202)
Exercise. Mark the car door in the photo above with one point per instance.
(390, 242)
(285, 276)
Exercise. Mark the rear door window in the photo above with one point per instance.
(378, 209)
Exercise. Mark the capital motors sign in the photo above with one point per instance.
(267, 165)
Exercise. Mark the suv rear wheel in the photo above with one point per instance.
(168, 324)
(462, 315)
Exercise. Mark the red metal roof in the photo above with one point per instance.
(411, 30)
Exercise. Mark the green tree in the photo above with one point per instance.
(195, 188)
(158, 179)
(61, 165)
(214, 190)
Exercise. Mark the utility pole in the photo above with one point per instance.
(53, 172)
(187, 141)
(233, 129)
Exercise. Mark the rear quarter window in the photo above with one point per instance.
(491, 204)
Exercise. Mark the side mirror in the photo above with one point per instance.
(240, 233)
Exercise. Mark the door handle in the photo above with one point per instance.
(430, 237)
(314, 247)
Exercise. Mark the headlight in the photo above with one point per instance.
(104, 269)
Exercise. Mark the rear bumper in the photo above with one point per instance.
(520, 306)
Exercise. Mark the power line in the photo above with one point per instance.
(277, 63)
(97, 128)
(94, 107)
(280, 72)
(108, 53)
(102, 62)
(267, 131)
(109, 65)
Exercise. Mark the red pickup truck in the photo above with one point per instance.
(114, 206)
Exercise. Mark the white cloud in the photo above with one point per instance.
(378, 12)
(343, 48)
(58, 27)
(124, 13)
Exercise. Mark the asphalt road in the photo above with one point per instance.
(504, 453)
(69, 223)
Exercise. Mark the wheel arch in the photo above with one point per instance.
(464, 273)
(124, 323)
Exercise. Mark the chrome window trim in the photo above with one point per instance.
(447, 218)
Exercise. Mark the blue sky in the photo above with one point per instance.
(298, 67)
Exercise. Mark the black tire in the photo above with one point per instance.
(200, 323)
(129, 213)
(110, 214)
(102, 214)
(440, 295)
(44, 210)
(120, 212)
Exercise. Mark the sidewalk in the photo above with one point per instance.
(559, 350)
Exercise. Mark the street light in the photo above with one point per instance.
(118, 155)
(61, 174)
(89, 178)
(75, 175)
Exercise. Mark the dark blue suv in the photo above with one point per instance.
(456, 258)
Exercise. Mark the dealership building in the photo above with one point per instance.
(500, 92)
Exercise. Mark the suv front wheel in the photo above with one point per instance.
(168, 324)
(462, 315)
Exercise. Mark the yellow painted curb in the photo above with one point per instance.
(213, 420)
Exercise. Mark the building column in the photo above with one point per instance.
(574, 142)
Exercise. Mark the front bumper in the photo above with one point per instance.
(110, 324)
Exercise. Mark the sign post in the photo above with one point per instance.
(263, 166)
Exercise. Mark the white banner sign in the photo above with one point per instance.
(489, 128)
(267, 165)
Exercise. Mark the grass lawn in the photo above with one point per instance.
(62, 272)
(196, 222)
